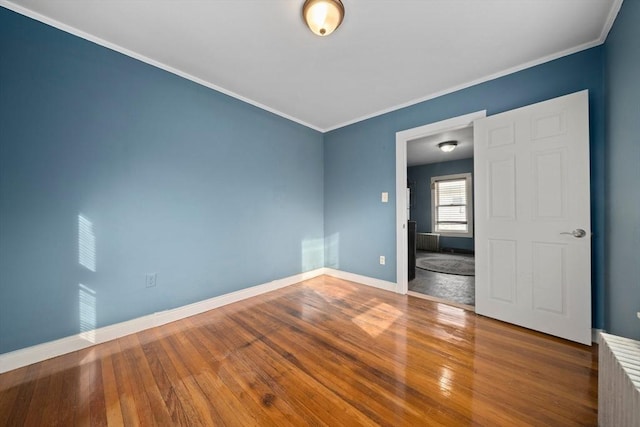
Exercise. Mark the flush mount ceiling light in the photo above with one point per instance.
(448, 146)
(323, 16)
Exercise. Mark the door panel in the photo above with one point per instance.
(547, 125)
(502, 270)
(549, 278)
(549, 185)
(531, 192)
(502, 180)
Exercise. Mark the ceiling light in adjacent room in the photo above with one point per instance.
(323, 16)
(448, 146)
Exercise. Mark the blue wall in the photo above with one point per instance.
(215, 195)
(421, 209)
(209, 192)
(360, 162)
(622, 51)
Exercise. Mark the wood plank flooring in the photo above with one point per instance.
(322, 352)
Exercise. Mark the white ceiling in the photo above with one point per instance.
(425, 150)
(386, 54)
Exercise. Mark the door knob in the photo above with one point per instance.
(578, 233)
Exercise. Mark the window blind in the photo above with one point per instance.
(451, 205)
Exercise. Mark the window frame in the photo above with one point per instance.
(469, 195)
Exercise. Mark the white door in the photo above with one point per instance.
(533, 236)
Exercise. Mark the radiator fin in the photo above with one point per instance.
(618, 382)
(428, 242)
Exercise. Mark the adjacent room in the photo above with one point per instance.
(440, 193)
(319, 212)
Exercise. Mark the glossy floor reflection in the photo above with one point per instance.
(323, 352)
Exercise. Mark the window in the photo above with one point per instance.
(452, 205)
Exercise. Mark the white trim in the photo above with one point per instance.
(595, 335)
(99, 41)
(484, 79)
(363, 280)
(402, 138)
(613, 13)
(466, 307)
(37, 353)
(468, 187)
(402, 256)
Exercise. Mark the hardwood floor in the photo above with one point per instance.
(323, 352)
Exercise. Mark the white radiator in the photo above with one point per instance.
(618, 382)
(428, 242)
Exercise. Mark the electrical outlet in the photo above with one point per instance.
(151, 280)
(382, 260)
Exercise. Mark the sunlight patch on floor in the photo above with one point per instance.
(378, 319)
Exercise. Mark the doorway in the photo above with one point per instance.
(533, 239)
(406, 141)
(440, 213)
(440, 185)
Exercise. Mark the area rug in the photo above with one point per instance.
(448, 264)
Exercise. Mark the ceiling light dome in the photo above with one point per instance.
(323, 16)
(448, 146)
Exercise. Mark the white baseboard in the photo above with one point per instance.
(37, 353)
(365, 280)
(390, 286)
(595, 335)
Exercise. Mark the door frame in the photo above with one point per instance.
(402, 138)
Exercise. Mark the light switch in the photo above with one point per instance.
(385, 197)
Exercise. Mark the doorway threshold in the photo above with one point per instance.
(466, 307)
